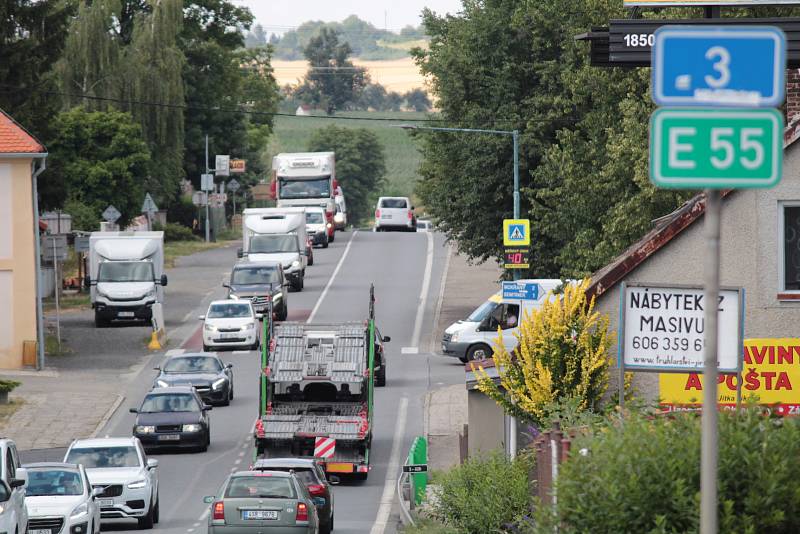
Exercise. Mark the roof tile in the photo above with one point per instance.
(14, 139)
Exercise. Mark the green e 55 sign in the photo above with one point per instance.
(716, 148)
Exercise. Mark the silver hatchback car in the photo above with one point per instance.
(272, 502)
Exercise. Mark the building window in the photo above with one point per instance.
(790, 251)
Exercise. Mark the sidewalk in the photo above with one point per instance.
(445, 411)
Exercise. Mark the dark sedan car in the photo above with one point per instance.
(173, 417)
(310, 473)
(204, 371)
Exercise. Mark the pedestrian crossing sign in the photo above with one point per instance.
(516, 232)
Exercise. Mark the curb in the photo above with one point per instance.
(440, 300)
(107, 416)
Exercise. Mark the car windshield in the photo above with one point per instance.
(125, 271)
(102, 457)
(271, 244)
(395, 203)
(53, 482)
(482, 312)
(302, 188)
(229, 310)
(254, 275)
(169, 402)
(314, 217)
(263, 486)
(193, 364)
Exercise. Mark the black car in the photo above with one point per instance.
(173, 417)
(308, 471)
(204, 371)
(260, 282)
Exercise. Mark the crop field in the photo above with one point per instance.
(402, 157)
(399, 75)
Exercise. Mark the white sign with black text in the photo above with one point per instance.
(664, 328)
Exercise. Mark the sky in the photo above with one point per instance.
(277, 16)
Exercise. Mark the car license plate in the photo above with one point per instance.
(229, 335)
(101, 503)
(259, 514)
(125, 314)
(169, 437)
(386, 216)
(39, 531)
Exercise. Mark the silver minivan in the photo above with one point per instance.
(395, 213)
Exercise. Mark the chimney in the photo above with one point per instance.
(792, 95)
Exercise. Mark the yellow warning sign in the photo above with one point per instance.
(516, 232)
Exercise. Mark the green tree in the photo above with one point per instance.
(332, 81)
(360, 165)
(100, 157)
(418, 99)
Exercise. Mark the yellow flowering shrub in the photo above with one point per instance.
(563, 352)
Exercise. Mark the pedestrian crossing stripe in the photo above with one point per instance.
(516, 232)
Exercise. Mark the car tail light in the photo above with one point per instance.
(410, 215)
(316, 489)
(363, 469)
(219, 511)
(302, 512)
(260, 427)
(377, 214)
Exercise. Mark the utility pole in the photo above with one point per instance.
(208, 222)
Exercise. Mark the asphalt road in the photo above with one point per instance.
(406, 270)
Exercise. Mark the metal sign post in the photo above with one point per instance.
(149, 208)
(233, 187)
(716, 149)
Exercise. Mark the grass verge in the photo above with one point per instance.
(176, 249)
(77, 301)
(7, 410)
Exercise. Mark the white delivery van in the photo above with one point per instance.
(340, 214)
(474, 337)
(317, 226)
(277, 234)
(126, 275)
(395, 213)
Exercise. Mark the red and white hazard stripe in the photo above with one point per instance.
(324, 447)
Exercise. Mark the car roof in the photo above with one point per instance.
(103, 442)
(277, 474)
(261, 263)
(172, 389)
(285, 462)
(392, 198)
(194, 355)
(229, 301)
(52, 465)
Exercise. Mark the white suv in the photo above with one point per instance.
(60, 498)
(13, 478)
(395, 213)
(127, 478)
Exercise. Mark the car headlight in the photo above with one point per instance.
(338, 217)
(454, 338)
(145, 429)
(151, 292)
(137, 484)
(162, 383)
(329, 225)
(296, 263)
(191, 428)
(79, 510)
(249, 326)
(217, 384)
(209, 327)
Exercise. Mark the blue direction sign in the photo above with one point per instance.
(521, 290)
(726, 66)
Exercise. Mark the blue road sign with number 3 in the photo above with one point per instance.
(719, 66)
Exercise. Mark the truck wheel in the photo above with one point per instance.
(284, 313)
(99, 321)
(481, 351)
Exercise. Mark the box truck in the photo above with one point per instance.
(277, 234)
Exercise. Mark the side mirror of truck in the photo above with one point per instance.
(239, 253)
(226, 284)
(386, 339)
(163, 280)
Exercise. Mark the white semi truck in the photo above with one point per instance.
(277, 234)
(306, 179)
(126, 275)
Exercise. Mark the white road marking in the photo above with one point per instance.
(241, 352)
(330, 280)
(174, 352)
(196, 524)
(387, 498)
(241, 454)
(205, 514)
(409, 350)
(423, 294)
(238, 461)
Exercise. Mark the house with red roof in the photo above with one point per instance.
(22, 157)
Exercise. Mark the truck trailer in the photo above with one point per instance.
(316, 394)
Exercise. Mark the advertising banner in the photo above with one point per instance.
(770, 374)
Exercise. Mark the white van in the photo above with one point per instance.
(474, 337)
(277, 234)
(395, 213)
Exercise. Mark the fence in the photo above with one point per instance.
(552, 448)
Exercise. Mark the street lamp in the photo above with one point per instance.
(514, 136)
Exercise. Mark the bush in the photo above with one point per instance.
(8, 385)
(84, 217)
(644, 476)
(182, 212)
(484, 493)
(175, 232)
